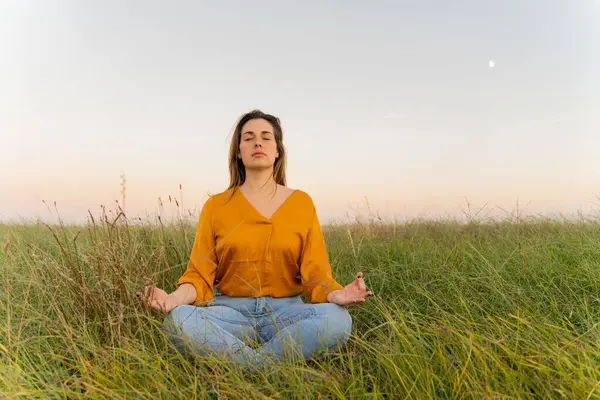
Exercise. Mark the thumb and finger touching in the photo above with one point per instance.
(360, 284)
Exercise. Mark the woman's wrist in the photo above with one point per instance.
(332, 295)
(185, 294)
(171, 302)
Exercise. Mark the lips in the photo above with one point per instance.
(258, 153)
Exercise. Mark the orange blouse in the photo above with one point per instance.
(242, 253)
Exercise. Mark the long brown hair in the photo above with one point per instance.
(237, 171)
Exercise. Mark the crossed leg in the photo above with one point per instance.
(217, 330)
(304, 331)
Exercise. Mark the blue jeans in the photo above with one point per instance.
(282, 328)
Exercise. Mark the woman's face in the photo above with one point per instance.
(258, 147)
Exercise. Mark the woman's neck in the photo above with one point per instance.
(259, 182)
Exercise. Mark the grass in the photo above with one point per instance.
(480, 310)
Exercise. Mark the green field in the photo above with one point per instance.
(481, 310)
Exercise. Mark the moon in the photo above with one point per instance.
(491, 64)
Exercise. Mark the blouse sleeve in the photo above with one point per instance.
(315, 270)
(202, 264)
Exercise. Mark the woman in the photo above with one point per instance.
(258, 248)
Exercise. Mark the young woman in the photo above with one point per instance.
(258, 248)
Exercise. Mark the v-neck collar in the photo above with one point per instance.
(255, 210)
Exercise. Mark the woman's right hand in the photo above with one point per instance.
(157, 299)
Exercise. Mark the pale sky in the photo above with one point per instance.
(392, 101)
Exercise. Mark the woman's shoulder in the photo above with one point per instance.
(216, 200)
(302, 199)
(301, 195)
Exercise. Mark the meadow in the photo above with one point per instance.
(486, 309)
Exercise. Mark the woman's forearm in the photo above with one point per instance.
(184, 295)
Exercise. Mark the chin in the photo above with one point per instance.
(259, 162)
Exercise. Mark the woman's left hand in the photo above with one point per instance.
(354, 293)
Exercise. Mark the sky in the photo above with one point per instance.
(388, 107)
